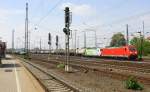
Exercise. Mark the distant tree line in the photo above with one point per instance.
(118, 40)
(136, 41)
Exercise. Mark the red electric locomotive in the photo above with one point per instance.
(129, 52)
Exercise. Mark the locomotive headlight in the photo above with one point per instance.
(131, 52)
(135, 52)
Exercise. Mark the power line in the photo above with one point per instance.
(39, 4)
(115, 6)
(59, 2)
(125, 19)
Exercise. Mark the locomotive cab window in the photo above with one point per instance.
(132, 49)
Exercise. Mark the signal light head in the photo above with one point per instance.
(67, 32)
(67, 17)
(67, 9)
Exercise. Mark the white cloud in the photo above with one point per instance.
(81, 10)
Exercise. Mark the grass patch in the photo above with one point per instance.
(132, 83)
(61, 66)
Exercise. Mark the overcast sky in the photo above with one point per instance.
(106, 17)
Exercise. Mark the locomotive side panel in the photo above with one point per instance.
(114, 52)
(124, 51)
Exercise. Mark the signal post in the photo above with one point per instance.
(66, 30)
(49, 43)
(57, 46)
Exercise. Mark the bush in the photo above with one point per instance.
(132, 83)
(137, 43)
(61, 66)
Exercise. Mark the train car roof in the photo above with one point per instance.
(119, 47)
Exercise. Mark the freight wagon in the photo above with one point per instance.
(80, 52)
(2, 49)
(92, 52)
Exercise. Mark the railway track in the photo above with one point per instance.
(49, 81)
(95, 66)
(145, 61)
(115, 70)
(92, 62)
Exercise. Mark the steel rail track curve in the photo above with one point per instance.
(96, 63)
(88, 67)
(54, 84)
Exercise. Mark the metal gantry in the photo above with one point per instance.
(95, 33)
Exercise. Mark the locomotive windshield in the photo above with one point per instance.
(132, 49)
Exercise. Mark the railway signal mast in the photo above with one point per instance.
(49, 42)
(66, 30)
(56, 41)
(57, 44)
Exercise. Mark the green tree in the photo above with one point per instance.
(137, 43)
(117, 40)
